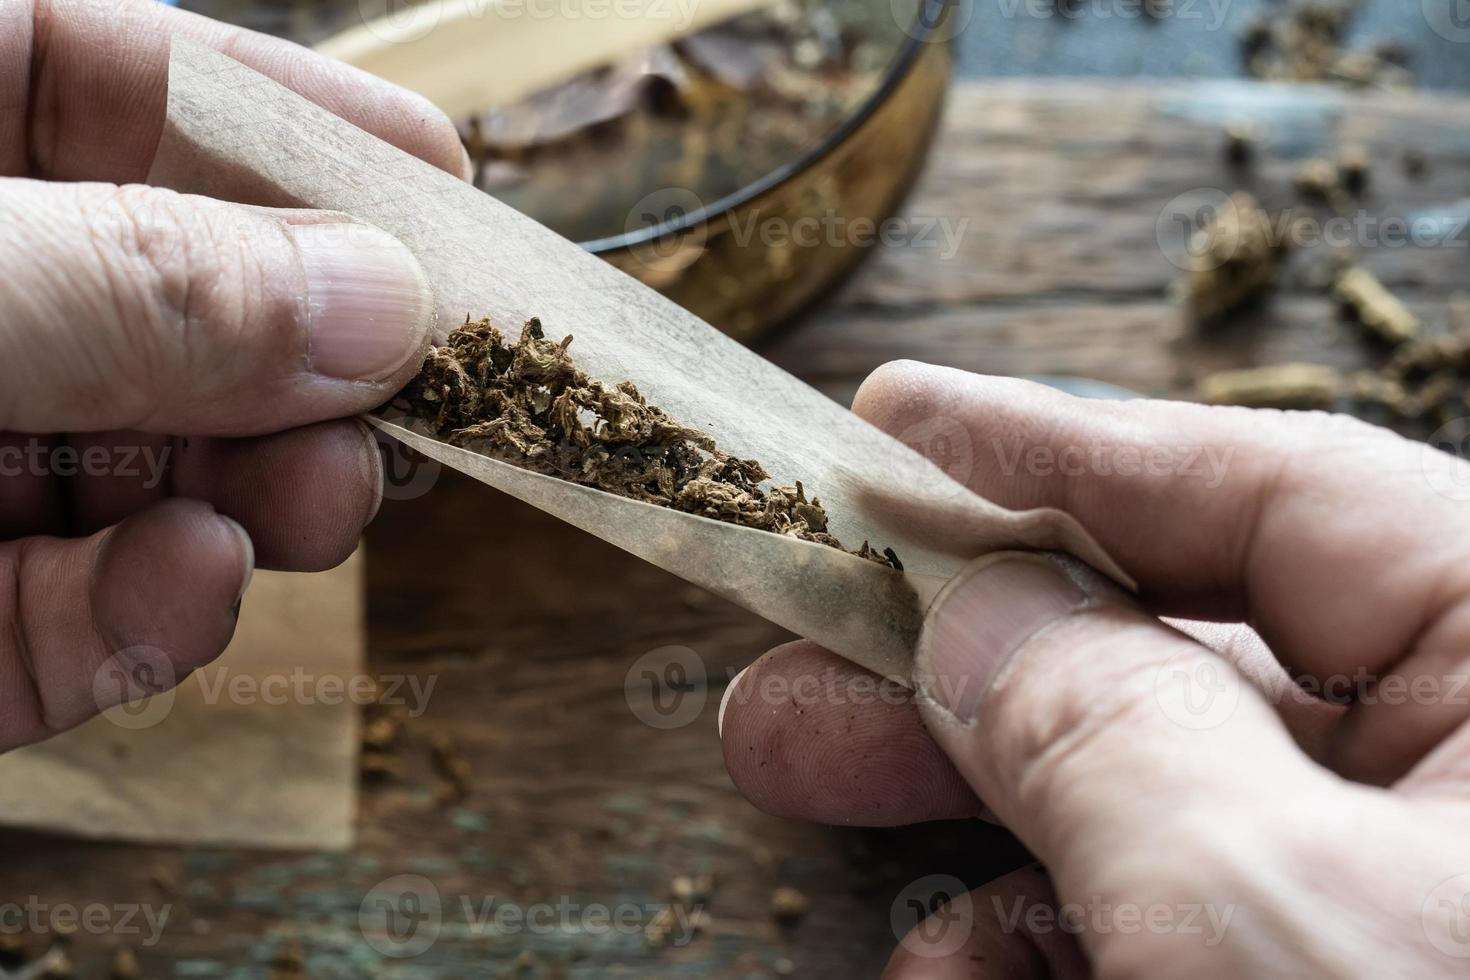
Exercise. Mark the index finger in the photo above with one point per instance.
(84, 88)
(1311, 528)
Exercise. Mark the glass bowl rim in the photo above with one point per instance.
(920, 31)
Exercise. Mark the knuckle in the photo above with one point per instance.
(190, 284)
(894, 390)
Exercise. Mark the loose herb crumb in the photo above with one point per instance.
(527, 404)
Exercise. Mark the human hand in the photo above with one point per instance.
(1206, 800)
(131, 318)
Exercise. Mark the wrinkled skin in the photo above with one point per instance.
(1287, 800)
(178, 377)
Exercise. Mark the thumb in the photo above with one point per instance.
(1092, 730)
(138, 308)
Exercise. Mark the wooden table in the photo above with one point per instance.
(530, 628)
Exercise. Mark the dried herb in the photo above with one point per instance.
(453, 769)
(1415, 162)
(382, 734)
(1304, 386)
(692, 890)
(1354, 168)
(1234, 258)
(789, 906)
(125, 965)
(288, 962)
(1317, 181)
(1303, 42)
(527, 404)
(1240, 144)
(1378, 310)
(12, 948)
(58, 965)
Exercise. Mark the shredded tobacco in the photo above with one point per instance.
(527, 404)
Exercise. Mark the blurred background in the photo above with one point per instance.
(1003, 38)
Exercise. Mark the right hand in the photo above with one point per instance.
(178, 375)
(1197, 811)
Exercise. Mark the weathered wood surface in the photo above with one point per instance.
(1060, 269)
(530, 628)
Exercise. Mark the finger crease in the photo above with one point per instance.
(23, 648)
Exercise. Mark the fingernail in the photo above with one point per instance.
(725, 700)
(247, 549)
(983, 616)
(369, 306)
(373, 466)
